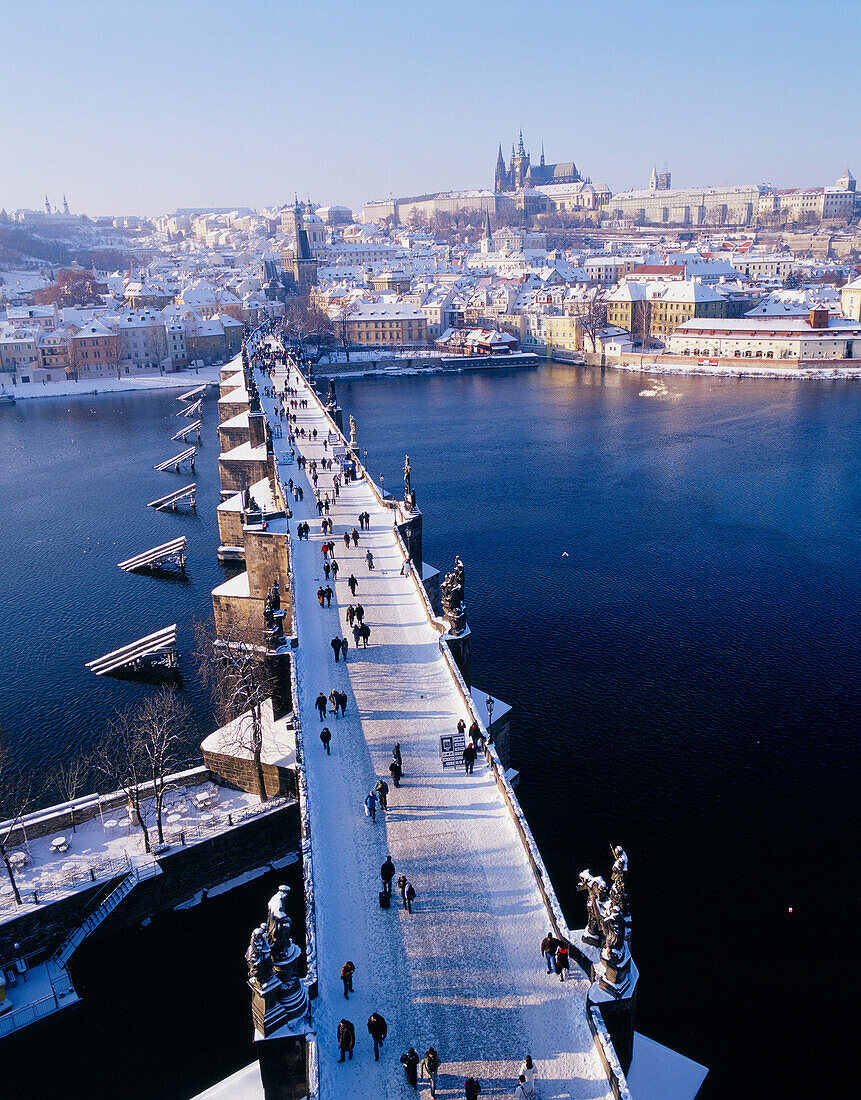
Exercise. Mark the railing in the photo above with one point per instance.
(28, 1014)
(47, 890)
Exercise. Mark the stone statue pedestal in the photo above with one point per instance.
(267, 1008)
(615, 977)
(460, 647)
(618, 1008)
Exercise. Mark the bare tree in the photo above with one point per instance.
(142, 746)
(234, 669)
(342, 331)
(17, 796)
(69, 780)
(591, 312)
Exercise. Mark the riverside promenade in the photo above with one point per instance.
(463, 972)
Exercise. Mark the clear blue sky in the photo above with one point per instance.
(143, 107)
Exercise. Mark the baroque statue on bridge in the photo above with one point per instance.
(452, 590)
(278, 925)
(259, 957)
(596, 892)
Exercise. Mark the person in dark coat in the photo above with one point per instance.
(346, 540)
(387, 873)
(320, 595)
(475, 734)
(345, 645)
(328, 593)
(548, 950)
(334, 568)
(410, 1062)
(378, 1030)
(364, 634)
(468, 759)
(342, 695)
(336, 648)
(320, 704)
(430, 1065)
(395, 772)
(351, 615)
(347, 972)
(471, 1088)
(346, 1039)
(382, 789)
(326, 737)
(327, 569)
(396, 753)
(371, 806)
(355, 537)
(357, 633)
(369, 558)
(360, 613)
(352, 583)
(461, 727)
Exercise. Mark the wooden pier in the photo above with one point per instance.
(183, 456)
(183, 432)
(190, 395)
(191, 410)
(175, 499)
(155, 651)
(169, 553)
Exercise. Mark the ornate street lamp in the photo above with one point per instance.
(488, 702)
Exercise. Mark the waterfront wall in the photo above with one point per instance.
(186, 870)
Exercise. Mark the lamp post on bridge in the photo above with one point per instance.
(488, 702)
(382, 487)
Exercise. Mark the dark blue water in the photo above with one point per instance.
(685, 681)
(75, 479)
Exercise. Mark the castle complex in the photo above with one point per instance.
(522, 173)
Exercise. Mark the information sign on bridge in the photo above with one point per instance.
(451, 750)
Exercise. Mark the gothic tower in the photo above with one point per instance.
(500, 180)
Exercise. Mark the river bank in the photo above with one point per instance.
(145, 383)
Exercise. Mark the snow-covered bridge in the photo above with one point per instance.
(464, 972)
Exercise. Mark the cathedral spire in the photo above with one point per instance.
(542, 154)
(520, 150)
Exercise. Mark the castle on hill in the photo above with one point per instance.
(521, 173)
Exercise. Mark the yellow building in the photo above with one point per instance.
(850, 298)
(386, 323)
(563, 333)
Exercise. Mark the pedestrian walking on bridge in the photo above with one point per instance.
(548, 950)
(320, 704)
(410, 1062)
(468, 758)
(527, 1076)
(346, 540)
(346, 1039)
(347, 972)
(355, 537)
(387, 873)
(328, 593)
(395, 772)
(336, 648)
(430, 1066)
(369, 558)
(471, 1088)
(352, 584)
(371, 806)
(321, 595)
(326, 737)
(360, 613)
(365, 633)
(378, 1030)
(382, 789)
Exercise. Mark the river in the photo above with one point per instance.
(663, 580)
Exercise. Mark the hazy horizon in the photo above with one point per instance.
(140, 110)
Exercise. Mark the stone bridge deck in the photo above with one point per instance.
(464, 972)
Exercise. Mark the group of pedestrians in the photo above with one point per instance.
(429, 1065)
(556, 957)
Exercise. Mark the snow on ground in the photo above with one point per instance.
(143, 382)
(464, 972)
(109, 843)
